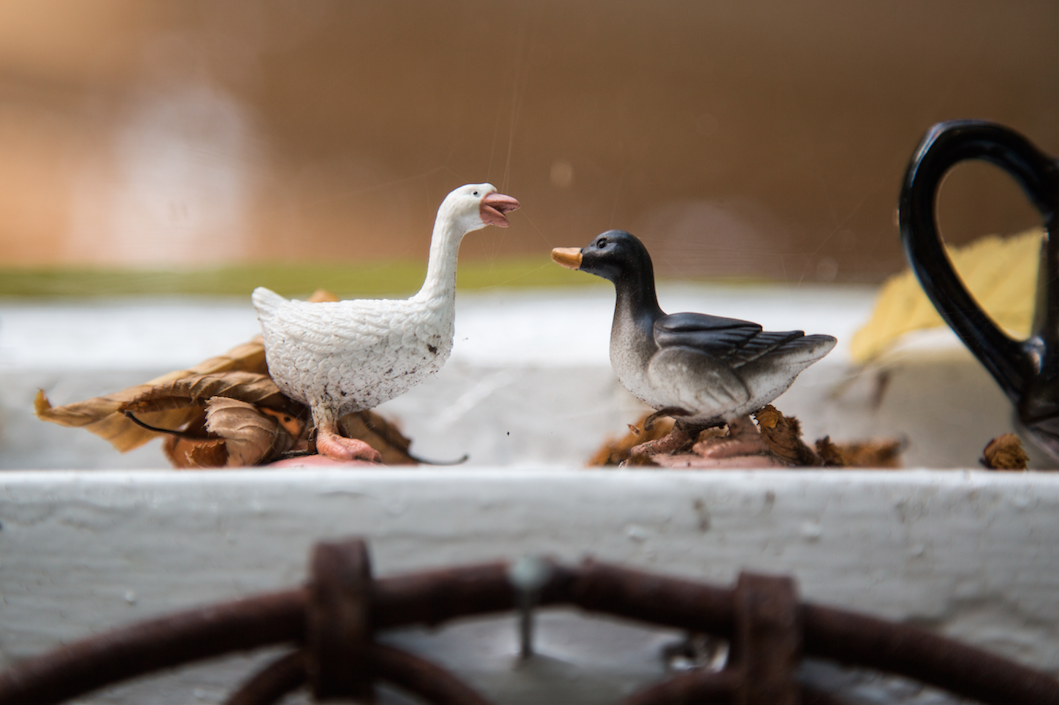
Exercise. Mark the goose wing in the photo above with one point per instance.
(728, 340)
(353, 329)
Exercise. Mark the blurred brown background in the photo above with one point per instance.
(763, 138)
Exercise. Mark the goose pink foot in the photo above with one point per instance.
(743, 439)
(336, 447)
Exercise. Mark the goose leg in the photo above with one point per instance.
(331, 444)
(743, 439)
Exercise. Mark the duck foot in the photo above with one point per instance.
(331, 445)
(672, 412)
(680, 438)
(743, 439)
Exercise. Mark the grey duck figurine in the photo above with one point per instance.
(702, 370)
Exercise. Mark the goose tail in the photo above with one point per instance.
(266, 301)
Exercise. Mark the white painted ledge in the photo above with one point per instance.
(971, 554)
(529, 394)
(529, 381)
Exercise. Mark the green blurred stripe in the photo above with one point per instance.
(296, 279)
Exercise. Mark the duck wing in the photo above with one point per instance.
(729, 340)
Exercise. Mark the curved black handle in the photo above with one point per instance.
(1013, 363)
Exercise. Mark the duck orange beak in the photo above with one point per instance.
(569, 257)
(495, 207)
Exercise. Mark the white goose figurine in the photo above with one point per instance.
(349, 356)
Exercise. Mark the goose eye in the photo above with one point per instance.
(475, 193)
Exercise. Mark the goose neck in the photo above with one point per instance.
(441, 266)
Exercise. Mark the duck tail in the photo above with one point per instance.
(266, 301)
(812, 347)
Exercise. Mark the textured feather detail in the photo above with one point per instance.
(689, 322)
(809, 348)
(730, 340)
(266, 301)
(763, 344)
(721, 344)
(715, 386)
(354, 355)
(719, 368)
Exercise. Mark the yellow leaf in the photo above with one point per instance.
(1001, 273)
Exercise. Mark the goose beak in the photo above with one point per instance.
(569, 257)
(495, 207)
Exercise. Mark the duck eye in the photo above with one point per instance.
(601, 243)
(475, 193)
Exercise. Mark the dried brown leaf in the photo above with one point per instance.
(248, 357)
(830, 454)
(294, 425)
(209, 454)
(250, 436)
(615, 451)
(251, 387)
(193, 449)
(186, 454)
(1005, 452)
(230, 385)
(378, 433)
(783, 435)
(103, 415)
(872, 453)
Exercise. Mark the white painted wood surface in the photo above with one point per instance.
(972, 554)
(529, 393)
(529, 381)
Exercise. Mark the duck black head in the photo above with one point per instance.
(614, 255)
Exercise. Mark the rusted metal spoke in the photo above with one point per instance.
(431, 598)
(694, 687)
(282, 676)
(828, 633)
(338, 629)
(814, 696)
(422, 678)
(867, 642)
(399, 668)
(712, 688)
(150, 646)
(767, 647)
(427, 598)
(672, 602)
